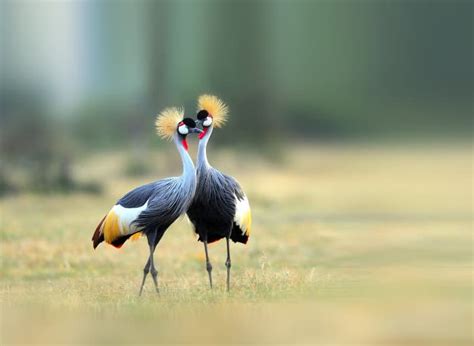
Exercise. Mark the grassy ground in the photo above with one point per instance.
(350, 244)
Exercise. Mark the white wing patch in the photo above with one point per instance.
(126, 216)
(243, 216)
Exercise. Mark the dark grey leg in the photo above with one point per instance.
(228, 263)
(208, 263)
(145, 273)
(150, 266)
(153, 271)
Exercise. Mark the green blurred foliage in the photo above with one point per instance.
(96, 76)
(35, 152)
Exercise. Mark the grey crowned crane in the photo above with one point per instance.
(220, 208)
(150, 209)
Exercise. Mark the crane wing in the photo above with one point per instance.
(166, 204)
(243, 215)
(118, 225)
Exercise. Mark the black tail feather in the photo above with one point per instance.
(98, 236)
(237, 236)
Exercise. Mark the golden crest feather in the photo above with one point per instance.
(167, 122)
(215, 107)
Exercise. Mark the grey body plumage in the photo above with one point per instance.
(156, 205)
(170, 198)
(166, 199)
(214, 207)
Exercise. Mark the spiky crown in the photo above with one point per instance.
(167, 122)
(215, 107)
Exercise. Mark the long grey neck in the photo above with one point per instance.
(202, 163)
(189, 174)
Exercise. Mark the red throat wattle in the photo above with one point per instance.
(203, 133)
(185, 144)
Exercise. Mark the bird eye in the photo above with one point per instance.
(183, 130)
(207, 122)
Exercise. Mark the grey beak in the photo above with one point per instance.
(195, 130)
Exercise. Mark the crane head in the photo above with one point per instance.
(187, 126)
(211, 112)
(171, 122)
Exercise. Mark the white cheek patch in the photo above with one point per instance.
(183, 129)
(207, 122)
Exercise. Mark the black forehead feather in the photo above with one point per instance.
(189, 122)
(202, 114)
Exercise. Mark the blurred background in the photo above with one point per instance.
(78, 76)
(350, 130)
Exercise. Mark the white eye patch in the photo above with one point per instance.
(207, 122)
(183, 130)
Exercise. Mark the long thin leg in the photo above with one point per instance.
(145, 273)
(149, 264)
(153, 271)
(228, 263)
(208, 263)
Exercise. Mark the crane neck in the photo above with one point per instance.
(189, 172)
(202, 163)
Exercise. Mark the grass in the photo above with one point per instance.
(358, 245)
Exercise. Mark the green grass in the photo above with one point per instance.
(355, 245)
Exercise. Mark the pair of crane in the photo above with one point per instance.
(214, 202)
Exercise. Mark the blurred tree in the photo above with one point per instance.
(33, 146)
(307, 69)
(304, 69)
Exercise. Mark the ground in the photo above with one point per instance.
(358, 244)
